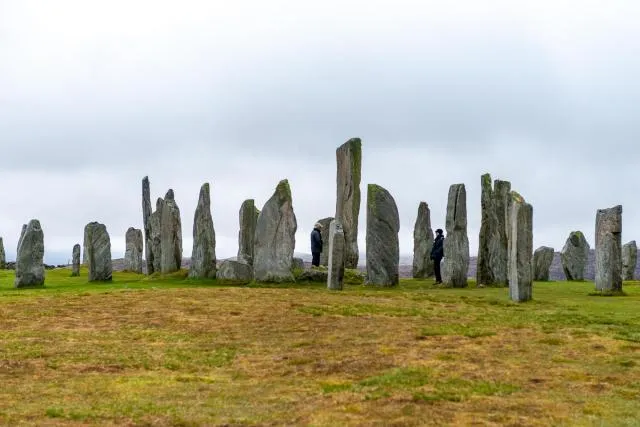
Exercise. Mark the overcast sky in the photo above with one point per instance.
(94, 95)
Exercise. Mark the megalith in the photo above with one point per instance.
(30, 256)
(3, 256)
(493, 245)
(422, 243)
(609, 249)
(324, 233)
(456, 244)
(146, 221)
(203, 255)
(275, 237)
(75, 260)
(335, 243)
(155, 222)
(133, 250)
(542, 259)
(383, 248)
(574, 256)
(629, 260)
(170, 235)
(236, 271)
(349, 167)
(248, 220)
(520, 237)
(98, 252)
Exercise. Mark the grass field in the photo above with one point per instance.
(169, 351)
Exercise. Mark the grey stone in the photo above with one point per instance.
(456, 244)
(146, 220)
(629, 260)
(609, 249)
(493, 244)
(275, 237)
(98, 252)
(383, 250)
(170, 235)
(324, 233)
(30, 255)
(298, 263)
(313, 275)
(574, 256)
(542, 259)
(3, 256)
(239, 271)
(422, 243)
(336, 248)
(156, 233)
(520, 236)
(203, 255)
(133, 250)
(248, 220)
(349, 167)
(75, 260)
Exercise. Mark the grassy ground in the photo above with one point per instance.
(175, 352)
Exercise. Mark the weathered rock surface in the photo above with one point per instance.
(422, 243)
(146, 220)
(492, 250)
(98, 252)
(298, 263)
(203, 255)
(75, 260)
(248, 221)
(520, 237)
(313, 275)
(349, 166)
(324, 233)
(156, 234)
(239, 271)
(133, 250)
(336, 249)
(29, 258)
(609, 249)
(383, 225)
(542, 259)
(456, 244)
(629, 260)
(574, 256)
(3, 256)
(275, 238)
(170, 235)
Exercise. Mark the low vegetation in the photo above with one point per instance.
(172, 351)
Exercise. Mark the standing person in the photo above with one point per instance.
(316, 244)
(437, 253)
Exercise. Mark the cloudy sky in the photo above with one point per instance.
(94, 95)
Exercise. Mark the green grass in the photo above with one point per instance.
(167, 350)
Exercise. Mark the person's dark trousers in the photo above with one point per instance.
(315, 259)
(436, 270)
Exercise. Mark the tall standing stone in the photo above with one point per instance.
(30, 256)
(629, 260)
(203, 255)
(542, 259)
(324, 234)
(146, 220)
(275, 237)
(98, 252)
(422, 243)
(133, 252)
(574, 256)
(383, 247)
(456, 244)
(75, 260)
(609, 249)
(248, 220)
(3, 256)
(335, 240)
(170, 235)
(493, 245)
(520, 236)
(155, 221)
(349, 166)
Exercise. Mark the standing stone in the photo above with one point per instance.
(542, 259)
(203, 255)
(133, 251)
(275, 237)
(456, 244)
(629, 260)
(84, 252)
(30, 256)
(574, 256)
(3, 257)
(170, 235)
(492, 250)
(98, 252)
(324, 234)
(383, 247)
(335, 240)
(609, 249)
(349, 165)
(520, 236)
(422, 243)
(156, 234)
(146, 220)
(248, 220)
(75, 260)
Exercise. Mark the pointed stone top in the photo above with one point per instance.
(283, 190)
(169, 195)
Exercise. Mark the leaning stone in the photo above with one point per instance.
(156, 235)
(324, 233)
(237, 271)
(29, 258)
(383, 250)
(75, 263)
(520, 235)
(456, 244)
(170, 235)
(629, 260)
(203, 255)
(133, 251)
(542, 259)
(98, 252)
(335, 274)
(248, 220)
(349, 166)
(609, 249)
(146, 220)
(574, 256)
(422, 243)
(298, 263)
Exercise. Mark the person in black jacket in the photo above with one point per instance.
(437, 253)
(316, 244)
